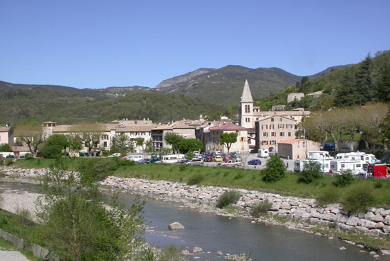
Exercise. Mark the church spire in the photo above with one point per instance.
(246, 93)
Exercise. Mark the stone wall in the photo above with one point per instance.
(37, 250)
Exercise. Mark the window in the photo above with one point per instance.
(281, 126)
(272, 142)
(271, 126)
(247, 120)
(265, 134)
(272, 119)
(289, 134)
(264, 142)
(105, 144)
(264, 127)
(280, 119)
(281, 134)
(273, 134)
(247, 108)
(104, 137)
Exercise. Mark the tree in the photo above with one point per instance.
(363, 87)
(121, 143)
(79, 226)
(227, 139)
(53, 146)
(311, 171)
(89, 133)
(31, 135)
(5, 148)
(275, 170)
(190, 145)
(75, 143)
(139, 142)
(174, 140)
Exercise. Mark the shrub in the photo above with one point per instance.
(9, 161)
(239, 176)
(28, 156)
(378, 184)
(311, 172)
(96, 169)
(344, 179)
(275, 170)
(358, 198)
(227, 198)
(195, 179)
(182, 167)
(328, 196)
(260, 208)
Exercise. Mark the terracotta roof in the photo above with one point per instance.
(5, 129)
(290, 141)
(227, 127)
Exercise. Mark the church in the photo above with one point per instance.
(267, 128)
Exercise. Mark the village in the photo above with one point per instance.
(260, 134)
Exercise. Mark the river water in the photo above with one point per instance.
(215, 233)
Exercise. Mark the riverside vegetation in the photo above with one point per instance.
(323, 188)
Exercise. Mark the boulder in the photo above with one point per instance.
(175, 226)
(197, 250)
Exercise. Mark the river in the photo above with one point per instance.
(216, 233)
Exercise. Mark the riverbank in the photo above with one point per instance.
(370, 229)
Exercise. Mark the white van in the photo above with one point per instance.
(324, 164)
(172, 158)
(262, 153)
(357, 167)
(135, 157)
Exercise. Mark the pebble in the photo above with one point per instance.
(342, 248)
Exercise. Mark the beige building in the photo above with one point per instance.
(274, 129)
(6, 135)
(213, 138)
(184, 128)
(296, 148)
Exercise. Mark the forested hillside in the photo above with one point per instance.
(40, 104)
(368, 81)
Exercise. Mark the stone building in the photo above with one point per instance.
(297, 148)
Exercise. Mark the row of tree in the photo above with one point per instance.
(366, 124)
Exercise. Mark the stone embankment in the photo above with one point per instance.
(376, 222)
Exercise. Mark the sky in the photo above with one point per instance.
(99, 44)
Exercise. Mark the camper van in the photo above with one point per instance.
(324, 164)
(357, 167)
(368, 158)
(172, 158)
(318, 155)
(135, 158)
(262, 153)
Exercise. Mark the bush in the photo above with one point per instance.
(358, 198)
(9, 161)
(92, 170)
(275, 170)
(28, 156)
(311, 172)
(228, 198)
(328, 196)
(182, 167)
(260, 208)
(195, 179)
(344, 179)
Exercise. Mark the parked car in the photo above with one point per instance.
(218, 159)
(208, 159)
(114, 155)
(227, 157)
(230, 163)
(254, 162)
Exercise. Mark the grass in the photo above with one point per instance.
(8, 246)
(235, 179)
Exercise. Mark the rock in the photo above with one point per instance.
(197, 250)
(196, 257)
(342, 248)
(185, 252)
(385, 252)
(175, 226)
(219, 253)
(372, 253)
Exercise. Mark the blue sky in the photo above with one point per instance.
(98, 44)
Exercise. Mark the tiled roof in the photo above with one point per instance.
(292, 141)
(228, 126)
(5, 129)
